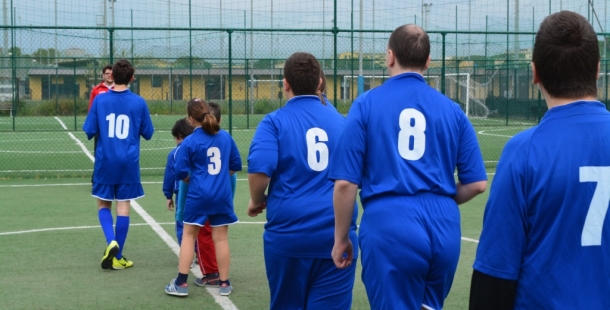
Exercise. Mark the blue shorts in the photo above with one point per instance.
(410, 247)
(216, 220)
(308, 283)
(118, 192)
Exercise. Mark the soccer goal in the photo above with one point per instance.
(461, 88)
(370, 81)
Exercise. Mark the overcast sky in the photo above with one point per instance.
(475, 15)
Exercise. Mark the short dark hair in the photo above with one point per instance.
(302, 72)
(199, 110)
(182, 129)
(122, 72)
(411, 46)
(322, 88)
(106, 67)
(566, 56)
(215, 110)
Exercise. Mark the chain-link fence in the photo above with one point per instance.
(44, 90)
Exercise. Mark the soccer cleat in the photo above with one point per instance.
(175, 290)
(118, 264)
(111, 250)
(208, 280)
(225, 289)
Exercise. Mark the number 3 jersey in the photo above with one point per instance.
(546, 223)
(403, 138)
(119, 119)
(293, 146)
(209, 158)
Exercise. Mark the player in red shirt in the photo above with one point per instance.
(106, 85)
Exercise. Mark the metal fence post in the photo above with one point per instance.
(230, 78)
(443, 34)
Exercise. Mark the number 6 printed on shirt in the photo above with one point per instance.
(314, 148)
(594, 222)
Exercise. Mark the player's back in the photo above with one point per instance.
(208, 158)
(415, 139)
(300, 193)
(119, 118)
(566, 181)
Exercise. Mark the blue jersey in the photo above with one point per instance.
(404, 138)
(170, 183)
(546, 223)
(293, 146)
(119, 119)
(208, 158)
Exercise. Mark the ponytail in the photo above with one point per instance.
(210, 124)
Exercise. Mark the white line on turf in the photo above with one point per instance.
(61, 123)
(224, 302)
(73, 184)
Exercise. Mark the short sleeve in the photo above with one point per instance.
(147, 128)
(90, 126)
(235, 160)
(470, 165)
(263, 155)
(503, 238)
(348, 160)
(181, 165)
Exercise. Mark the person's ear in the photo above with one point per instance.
(427, 65)
(286, 85)
(535, 78)
(390, 58)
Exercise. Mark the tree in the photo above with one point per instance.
(45, 56)
(268, 63)
(197, 62)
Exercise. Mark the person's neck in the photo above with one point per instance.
(556, 102)
(120, 87)
(108, 84)
(396, 70)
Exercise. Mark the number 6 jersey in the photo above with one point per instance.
(119, 118)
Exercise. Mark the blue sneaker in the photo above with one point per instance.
(208, 280)
(173, 289)
(225, 289)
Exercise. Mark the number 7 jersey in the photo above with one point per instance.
(546, 224)
(119, 119)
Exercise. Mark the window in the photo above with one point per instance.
(156, 81)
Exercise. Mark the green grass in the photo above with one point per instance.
(59, 269)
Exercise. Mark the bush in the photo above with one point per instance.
(264, 107)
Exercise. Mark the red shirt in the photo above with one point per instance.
(98, 89)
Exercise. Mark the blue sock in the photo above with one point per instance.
(181, 279)
(122, 226)
(105, 217)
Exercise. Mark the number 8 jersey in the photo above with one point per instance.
(119, 118)
(403, 138)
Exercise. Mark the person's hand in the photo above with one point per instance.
(170, 204)
(256, 209)
(343, 253)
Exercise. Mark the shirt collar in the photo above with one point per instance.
(573, 108)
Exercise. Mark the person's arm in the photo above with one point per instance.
(465, 192)
(487, 292)
(258, 183)
(344, 198)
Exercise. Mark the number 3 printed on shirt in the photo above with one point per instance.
(594, 222)
(417, 131)
(118, 127)
(215, 163)
(314, 148)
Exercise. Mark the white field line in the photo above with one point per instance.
(73, 184)
(61, 123)
(224, 302)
